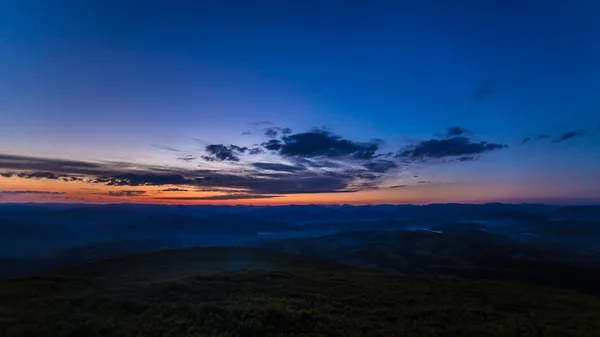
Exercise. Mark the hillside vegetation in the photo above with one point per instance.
(251, 292)
(464, 253)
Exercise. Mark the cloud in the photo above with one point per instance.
(261, 123)
(255, 151)
(187, 158)
(320, 143)
(285, 131)
(377, 141)
(525, 141)
(440, 148)
(272, 145)
(425, 182)
(198, 140)
(239, 196)
(130, 174)
(484, 90)
(357, 173)
(456, 131)
(45, 165)
(166, 148)
(278, 167)
(30, 192)
(220, 152)
(380, 166)
(240, 149)
(39, 175)
(127, 193)
(568, 135)
(246, 133)
(271, 132)
(142, 179)
(218, 190)
(279, 183)
(174, 189)
(398, 186)
(317, 161)
(467, 158)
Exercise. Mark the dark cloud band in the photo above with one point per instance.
(316, 161)
(320, 143)
(31, 192)
(451, 147)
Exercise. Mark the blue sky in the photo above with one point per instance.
(121, 81)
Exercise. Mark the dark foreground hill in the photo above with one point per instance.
(252, 292)
(463, 253)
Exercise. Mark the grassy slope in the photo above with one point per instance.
(204, 292)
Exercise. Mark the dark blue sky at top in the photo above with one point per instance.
(95, 79)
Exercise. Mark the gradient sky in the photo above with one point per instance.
(463, 101)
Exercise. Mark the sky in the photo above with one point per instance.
(295, 102)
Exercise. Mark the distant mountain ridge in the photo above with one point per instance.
(521, 242)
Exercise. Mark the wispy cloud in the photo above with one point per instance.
(525, 141)
(122, 174)
(316, 161)
(531, 139)
(380, 166)
(568, 135)
(175, 189)
(467, 158)
(261, 123)
(224, 197)
(141, 179)
(556, 139)
(46, 168)
(278, 167)
(33, 175)
(187, 158)
(454, 131)
(484, 90)
(166, 148)
(273, 132)
(451, 147)
(126, 193)
(21, 192)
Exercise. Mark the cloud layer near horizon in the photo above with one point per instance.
(315, 161)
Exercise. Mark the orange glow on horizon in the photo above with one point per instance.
(81, 192)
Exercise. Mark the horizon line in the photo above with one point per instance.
(283, 205)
